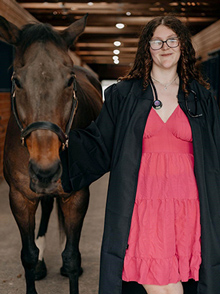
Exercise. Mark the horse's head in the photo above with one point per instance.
(43, 82)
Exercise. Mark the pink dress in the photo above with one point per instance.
(164, 241)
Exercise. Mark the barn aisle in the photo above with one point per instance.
(11, 271)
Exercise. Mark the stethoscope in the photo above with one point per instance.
(157, 104)
(196, 102)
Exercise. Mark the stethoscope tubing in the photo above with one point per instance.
(157, 104)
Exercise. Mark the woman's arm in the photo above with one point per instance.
(88, 156)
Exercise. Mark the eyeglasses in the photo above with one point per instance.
(158, 44)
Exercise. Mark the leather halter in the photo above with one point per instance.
(45, 125)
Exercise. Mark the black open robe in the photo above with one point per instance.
(114, 143)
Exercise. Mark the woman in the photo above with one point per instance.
(153, 125)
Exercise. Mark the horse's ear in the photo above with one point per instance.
(71, 34)
(8, 31)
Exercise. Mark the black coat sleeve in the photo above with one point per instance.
(214, 116)
(88, 156)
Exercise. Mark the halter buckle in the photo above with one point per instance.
(65, 145)
(22, 141)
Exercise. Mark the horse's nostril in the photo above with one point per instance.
(45, 175)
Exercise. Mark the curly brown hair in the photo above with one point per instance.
(186, 69)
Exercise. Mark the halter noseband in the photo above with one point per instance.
(45, 125)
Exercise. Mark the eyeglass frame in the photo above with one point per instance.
(164, 42)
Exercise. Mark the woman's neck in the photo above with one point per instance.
(164, 76)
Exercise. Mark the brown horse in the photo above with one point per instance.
(45, 90)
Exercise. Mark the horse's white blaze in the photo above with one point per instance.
(41, 244)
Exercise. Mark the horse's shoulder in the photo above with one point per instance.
(84, 74)
(81, 71)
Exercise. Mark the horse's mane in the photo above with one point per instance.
(39, 32)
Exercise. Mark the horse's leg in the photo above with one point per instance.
(74, 209)
(46, 209)
(24, 213)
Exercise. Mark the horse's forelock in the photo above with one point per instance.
(43, 33)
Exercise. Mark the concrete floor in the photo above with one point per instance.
(11, 271)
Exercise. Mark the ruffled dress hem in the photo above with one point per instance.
(155, 271)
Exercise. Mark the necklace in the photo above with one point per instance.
(166, 85)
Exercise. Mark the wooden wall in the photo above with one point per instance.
(13, 12)
(207, 40)
(207, 46)
(5, 110)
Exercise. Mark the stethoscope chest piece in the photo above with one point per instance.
(157, 104)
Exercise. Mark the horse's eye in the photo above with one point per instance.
(17, 83)
(70, 82)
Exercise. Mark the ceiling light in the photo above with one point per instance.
(116, 61)
(174, 4)
(128, 13)
(120, 26)
(115, 57)
(90, 3)
(117, 43)
(116, 51)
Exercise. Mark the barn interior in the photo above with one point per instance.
(108, 44)
(107, 47)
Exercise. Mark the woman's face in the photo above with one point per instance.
(166, 57)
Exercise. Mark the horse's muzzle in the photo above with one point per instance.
(44, 180)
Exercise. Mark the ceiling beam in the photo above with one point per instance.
(114, 6)
(14, 13)
(105, 30)
(111, 5)
(107, 44)
(107, 60)
(107, 52)
(123, 2)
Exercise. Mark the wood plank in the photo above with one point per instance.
(13, 12)
(124, 2)
(107, 60)
(106, 30)
(106, 52)
(207, 40)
